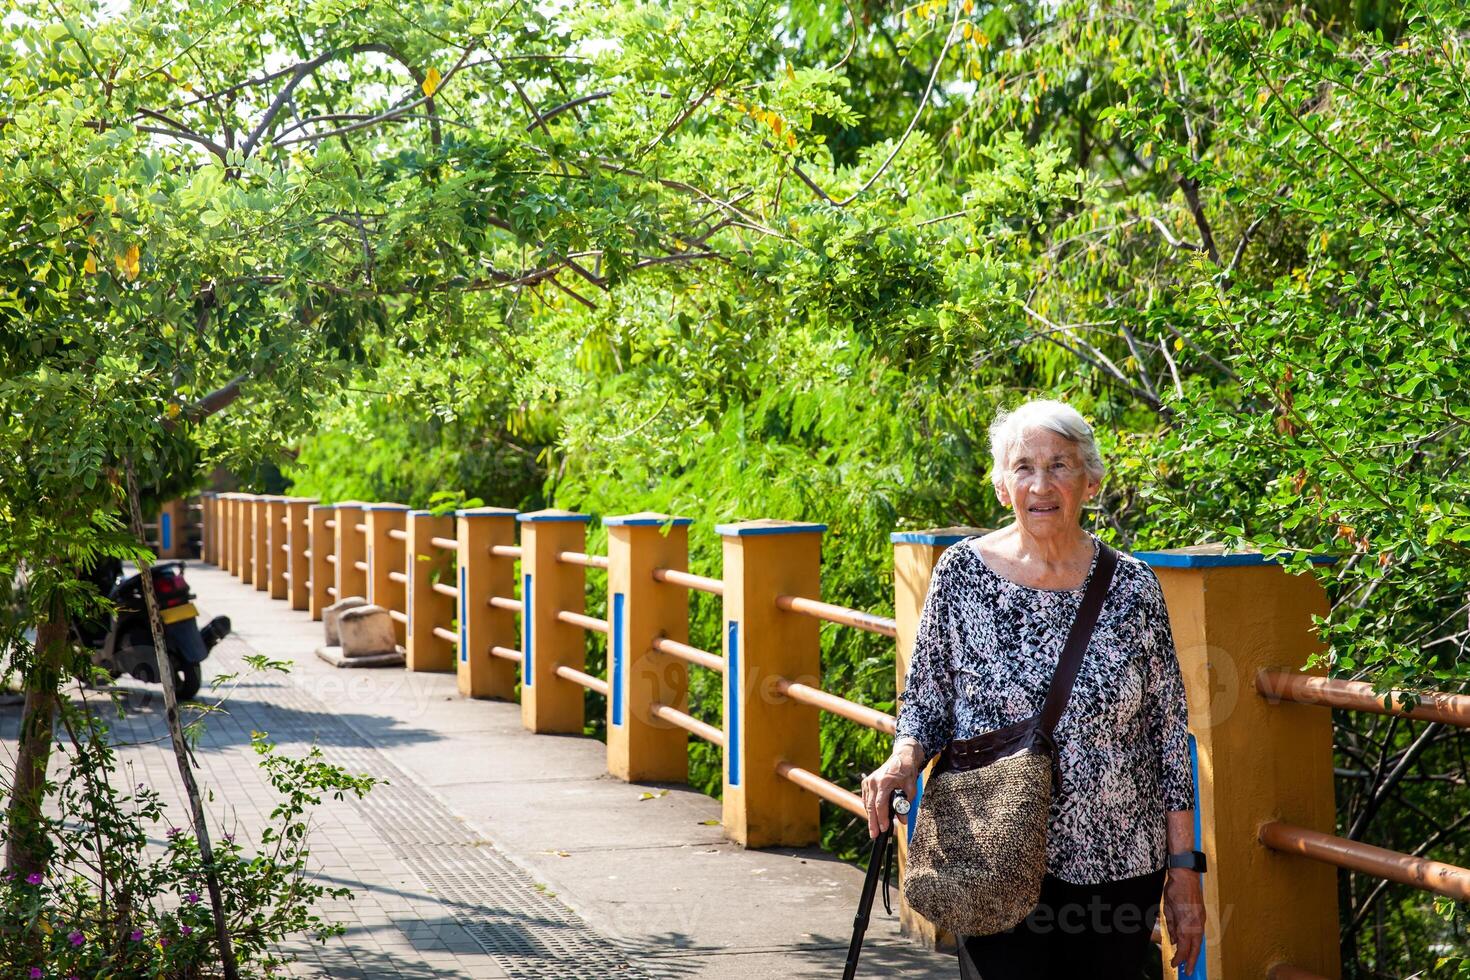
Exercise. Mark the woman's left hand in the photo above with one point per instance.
(1184, 913)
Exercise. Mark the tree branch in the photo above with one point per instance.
(1190, 187)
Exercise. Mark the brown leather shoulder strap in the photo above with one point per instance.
(1078, 638)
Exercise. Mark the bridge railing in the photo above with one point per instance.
(507, 617)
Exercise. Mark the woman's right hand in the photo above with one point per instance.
(901, 771)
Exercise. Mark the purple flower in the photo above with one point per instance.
(194, 897)
(174, 832)
(229, 838)
(187, 930)
(136, 935)
(36, 973)
(34, 878)
(75, 938)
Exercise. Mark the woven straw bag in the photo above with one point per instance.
(978, 851)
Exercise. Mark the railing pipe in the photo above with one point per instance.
(693, 655)
(1436, 877)
(826, 611)
(851, 710)
(698, 583)
(687, 722)
(1333, 692)
(590, 623)
(584, 679)
(823, 788)
(582, 558)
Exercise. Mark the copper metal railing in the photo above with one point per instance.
(1435, 877)
(589, 623)
(1331, 692)
(693, 655)
(827, 790)
(580, 558)
(580, 677)
(883, 625)
(699, 583)
(851, 710)
(832, 703)
(688, 722)
(1431, 876)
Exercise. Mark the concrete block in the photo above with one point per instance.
(332, 613)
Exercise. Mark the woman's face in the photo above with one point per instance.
(1045, 483)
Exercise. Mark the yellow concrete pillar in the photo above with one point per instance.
(640, 610)
(206, 527)
(914, 555)
(351, 550)
(765, 559)
(222, 531)
(298, 548)
(245, 537)
(483, 576)
(278, 558)
(323, 543)
(229, 537)
(260, 532)
(428, 565)
(550, 703)
(218, 529)
(1233, 615)
(173, 538)
(385, 554)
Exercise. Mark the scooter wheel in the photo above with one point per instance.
(187, 679)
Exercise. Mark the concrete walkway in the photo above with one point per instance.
(492, 852)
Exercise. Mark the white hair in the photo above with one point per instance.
(1041, 413)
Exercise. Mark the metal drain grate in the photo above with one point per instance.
(530, 934)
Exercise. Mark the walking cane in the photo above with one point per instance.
(883, 848)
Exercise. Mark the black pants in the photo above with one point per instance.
(1096, 931)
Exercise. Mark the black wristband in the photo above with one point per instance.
(1192, 860)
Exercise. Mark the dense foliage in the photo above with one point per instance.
(740, 259)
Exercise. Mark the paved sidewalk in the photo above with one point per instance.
(492, 852)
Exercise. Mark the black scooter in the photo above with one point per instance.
(123, 643)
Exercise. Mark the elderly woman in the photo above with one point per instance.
(1121, 831)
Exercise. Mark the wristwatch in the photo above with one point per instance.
(1193, 860)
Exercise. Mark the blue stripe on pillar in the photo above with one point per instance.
(732, 702)
(464, 609)
(527, 675)
(1201, 964)
(914, 807)
(618, 648)
(165, 531)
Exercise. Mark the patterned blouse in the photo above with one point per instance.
(984, 655)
